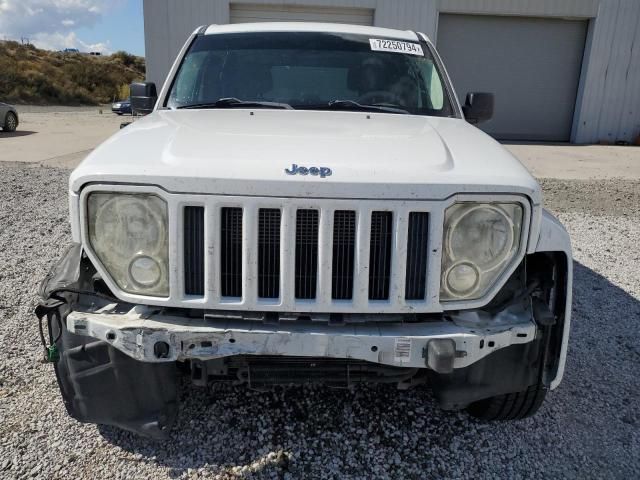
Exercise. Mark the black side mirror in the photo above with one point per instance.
(143, 97)
(478, 107)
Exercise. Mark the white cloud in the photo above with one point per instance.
(50, 23)
(59, 41)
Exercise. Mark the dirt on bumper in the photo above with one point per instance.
(117, 363)
(149, 335)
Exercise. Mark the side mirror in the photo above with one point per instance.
(143, 97)
(478, 107)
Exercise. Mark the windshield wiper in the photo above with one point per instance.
(232, 102)
(354, 106)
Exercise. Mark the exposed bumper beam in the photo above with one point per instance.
(148, 335)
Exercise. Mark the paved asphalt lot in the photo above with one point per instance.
(588, 428)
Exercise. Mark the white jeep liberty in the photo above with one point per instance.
(306, 203)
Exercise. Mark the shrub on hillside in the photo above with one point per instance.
(31, 75)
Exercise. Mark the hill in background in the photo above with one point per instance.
(34, 76)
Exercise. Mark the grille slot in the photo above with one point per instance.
(417, 245)
(194, 250)
(269, 252)
(231, 252)
(306, 261)
(344, 242)
(380, 255)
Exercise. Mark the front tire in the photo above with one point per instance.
(510, 406)
(10, 122)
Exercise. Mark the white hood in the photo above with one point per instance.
(245, 152)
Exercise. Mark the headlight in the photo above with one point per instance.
(480, 240)
(128, 233)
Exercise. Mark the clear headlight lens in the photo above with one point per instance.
(462, 277)
(128, 233)
(480, 240)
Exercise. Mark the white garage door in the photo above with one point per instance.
(532, 65)
(247, 13)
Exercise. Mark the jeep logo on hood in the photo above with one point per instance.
(315, 171)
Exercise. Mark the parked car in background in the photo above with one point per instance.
(8, 118)
(121, 106)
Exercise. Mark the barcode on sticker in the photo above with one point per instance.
(402, 351)
(396, 46)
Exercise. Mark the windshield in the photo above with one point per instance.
(310, 71)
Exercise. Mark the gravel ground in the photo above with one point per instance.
(589, 428)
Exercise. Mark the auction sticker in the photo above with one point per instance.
(396, 46)
(402, 350)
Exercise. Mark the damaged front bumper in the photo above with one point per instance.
(118, 362)
(148, 334)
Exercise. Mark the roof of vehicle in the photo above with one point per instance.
(312, 27)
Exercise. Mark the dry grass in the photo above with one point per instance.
(31, 75)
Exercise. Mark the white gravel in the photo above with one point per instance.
(589, 428)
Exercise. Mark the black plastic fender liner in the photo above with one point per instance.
(100, 384)
(516, 368)
(507, 370)
(64, 274)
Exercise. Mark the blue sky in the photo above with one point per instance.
(122, 28)
(89, 25)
